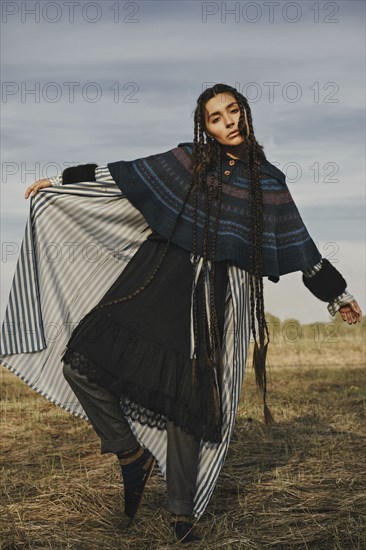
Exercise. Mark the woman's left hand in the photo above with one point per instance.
(351, 312)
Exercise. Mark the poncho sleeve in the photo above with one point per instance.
(83, 172)
(319, 276)
(295, 248)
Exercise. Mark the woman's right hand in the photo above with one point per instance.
(40, 184)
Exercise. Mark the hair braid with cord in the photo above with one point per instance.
(211, 157)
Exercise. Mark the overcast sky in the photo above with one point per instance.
(119, 80)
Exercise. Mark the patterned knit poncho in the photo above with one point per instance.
(158, 184)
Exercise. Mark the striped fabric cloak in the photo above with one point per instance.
(74, 247)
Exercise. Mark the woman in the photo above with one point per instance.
(152, 362)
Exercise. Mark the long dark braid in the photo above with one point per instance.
(209, 156)
(214, 359)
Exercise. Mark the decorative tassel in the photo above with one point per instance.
(216, 402)
(268, 416)
(220, 367)
(259, 365)
(194, 370)
(215, 391)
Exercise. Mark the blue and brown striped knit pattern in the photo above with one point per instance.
(158, 184)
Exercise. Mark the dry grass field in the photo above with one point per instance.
(299, 484)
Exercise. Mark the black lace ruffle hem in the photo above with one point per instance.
(189, 406)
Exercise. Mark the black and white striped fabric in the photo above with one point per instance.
(78, 239)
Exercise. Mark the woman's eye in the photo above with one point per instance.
(232, 111)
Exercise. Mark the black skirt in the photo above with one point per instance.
(139, 349)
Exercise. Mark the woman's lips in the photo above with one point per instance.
(232, 134)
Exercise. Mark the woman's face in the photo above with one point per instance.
(221, 117)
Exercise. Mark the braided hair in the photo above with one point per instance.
(206, 160)
(207, 156)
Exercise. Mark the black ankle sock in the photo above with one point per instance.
(136, 471)
(135, 465)
(125, 457)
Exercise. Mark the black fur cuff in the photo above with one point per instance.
(82, 172)
(327, 283)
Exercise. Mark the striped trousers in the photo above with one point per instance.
(103, 411)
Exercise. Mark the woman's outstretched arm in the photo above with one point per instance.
(326, 283)
(73, 174)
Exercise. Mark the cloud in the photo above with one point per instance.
(169, 55)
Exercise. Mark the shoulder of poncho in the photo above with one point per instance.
(185, 144)
(188, 146)
(267, 167)
(273, 171)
